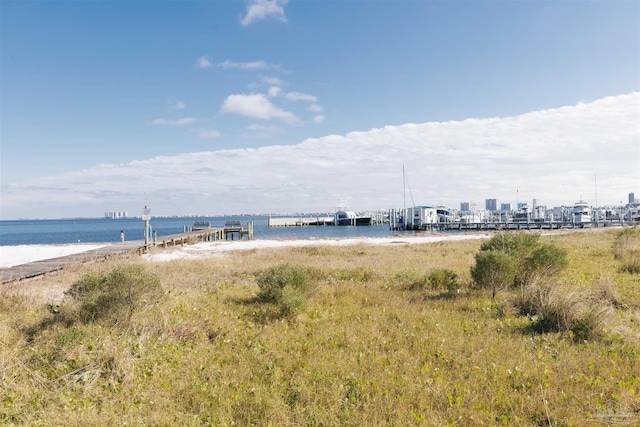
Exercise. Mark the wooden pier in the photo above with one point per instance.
(38, 268)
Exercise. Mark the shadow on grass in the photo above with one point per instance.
(261, 310)
(45, 324)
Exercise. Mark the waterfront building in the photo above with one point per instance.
(491, 204)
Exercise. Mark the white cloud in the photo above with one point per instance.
(204, 62)
(551, 155)
(179, 106)
(315, 108)
(206, 133)
(247, 66)
(262, 131)
(179, 122)
(264, 9)
(257, 106)
(319, 118)
(274, 91)
(273, 81)
(297, 96)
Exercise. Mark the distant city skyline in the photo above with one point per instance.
(277, 106)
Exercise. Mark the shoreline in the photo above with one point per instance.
(12, 256)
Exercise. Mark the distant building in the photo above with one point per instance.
(506, 207)
(491, 204)
(468, 206)
(632, 198)
(116, 215)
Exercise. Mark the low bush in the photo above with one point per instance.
(514, 259)
(519, 244)
(442, 279)
(409, 280)
(494, 270)
(114, 295)
(626, 248)
(561, 308)
(544, 261)
(286, 285)
(439, 279)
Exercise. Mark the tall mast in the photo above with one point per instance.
(595, 181)
(404, 191)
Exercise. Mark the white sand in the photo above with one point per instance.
(23, 254)
(219, 248)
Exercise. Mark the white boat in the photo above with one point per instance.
(345, 216)
(348, 217)
(444, 214)
(582, 214)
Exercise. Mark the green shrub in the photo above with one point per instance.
(516, 244)
(512, 259)
(545, 261)
(114, 295)
(410, 280)
(494, 270)
(442, 279)
(286, 285)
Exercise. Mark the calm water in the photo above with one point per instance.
(27, 232)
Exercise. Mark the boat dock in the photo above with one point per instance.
(300, 221)
(136, 247)
(500, 226)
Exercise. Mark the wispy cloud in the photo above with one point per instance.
(258, 10)
(319, 118)
(178, 122)
(257, 106)
(272, 81)
(206, 133)
(177, 106)
(315, 108)
(204, 62)
(297, 96)
(262, 131)
(551, 155)
(274, 91)
(249, 66)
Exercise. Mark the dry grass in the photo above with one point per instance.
(364, 350)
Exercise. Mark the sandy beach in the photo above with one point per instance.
(22, 254)
(17, 255)
(220, 248)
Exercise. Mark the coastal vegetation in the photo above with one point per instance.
(544, 330)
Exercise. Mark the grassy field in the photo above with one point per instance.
(364, 348)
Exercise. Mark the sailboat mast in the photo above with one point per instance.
(404, 191)
(595, 182)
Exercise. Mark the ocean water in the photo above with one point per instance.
(99, 230)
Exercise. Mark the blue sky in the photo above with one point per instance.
(91, 83)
